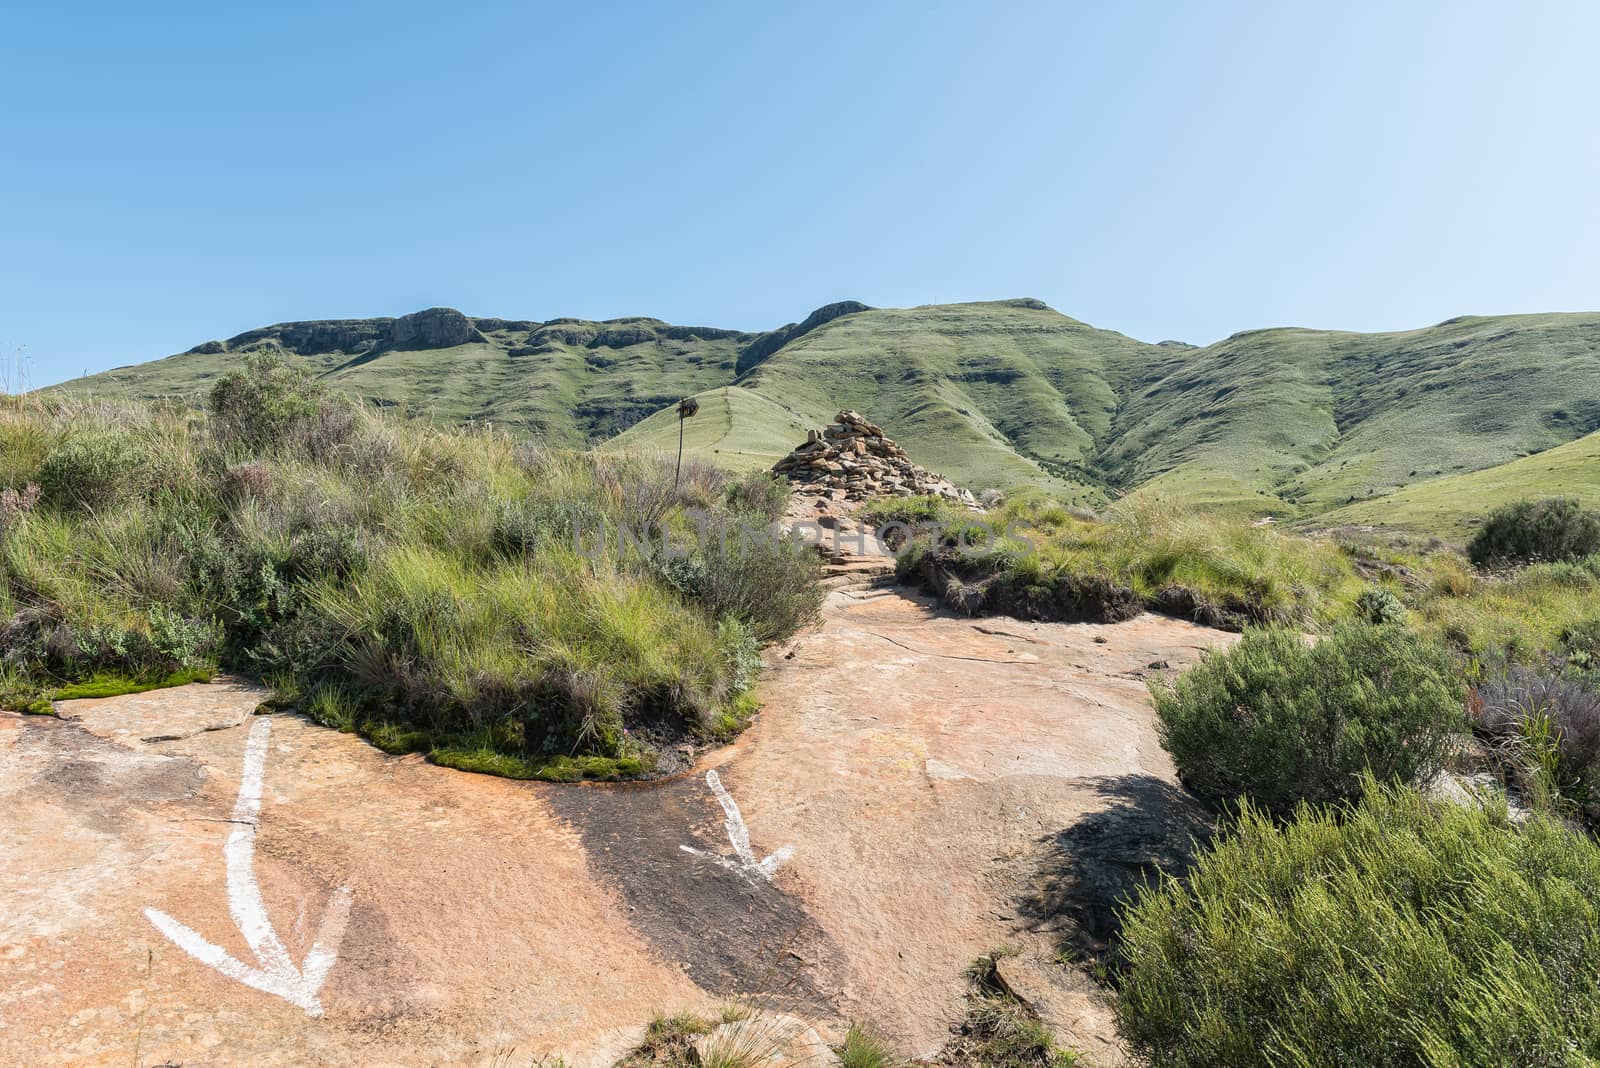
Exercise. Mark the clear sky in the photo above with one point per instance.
(177, 172)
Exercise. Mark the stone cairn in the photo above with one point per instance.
(852, 459)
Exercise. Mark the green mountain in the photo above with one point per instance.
(1285, 421)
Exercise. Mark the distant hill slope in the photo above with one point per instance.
(1453, 506)
(568, 381)
(1319, 419)
(1286, 421)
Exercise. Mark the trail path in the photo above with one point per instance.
(919, 788)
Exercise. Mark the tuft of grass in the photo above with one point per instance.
(999, 1031)
(865, 1048)
(668, 1040)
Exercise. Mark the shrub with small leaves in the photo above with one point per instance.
(767, 582)
(743, 650)
(260, 403)
(1581, 643)
(92, 469)
(758, 494)
(1281, 720)
(1555, 528)
(176, 642)
(1396, 932)
(1378, 606)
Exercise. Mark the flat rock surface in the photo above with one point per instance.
(906, 801)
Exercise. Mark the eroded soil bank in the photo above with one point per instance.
(920, 788)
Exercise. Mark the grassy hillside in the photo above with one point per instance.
(735, 428)
(1454, 506)
(1289, 422)
(1304, 421)
(994, 394)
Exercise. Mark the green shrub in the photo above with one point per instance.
(1378, 606)
(743, 650)
(767, 582)
(1394, 933)
(1555, 528)
(259, 404)
(1281, 720)
(1580, 642)
(92, 469)
(759, 495)
(176, 643)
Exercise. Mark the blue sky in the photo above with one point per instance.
(177, 172)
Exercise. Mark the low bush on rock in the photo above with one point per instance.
(1554, 528)
(1281, 720)
(1396, 932)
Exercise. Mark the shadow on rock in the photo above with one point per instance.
(1148, 828)
(736, 934)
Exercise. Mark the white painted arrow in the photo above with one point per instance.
(739, 836)
(276, 974)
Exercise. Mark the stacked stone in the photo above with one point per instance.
(853, 460)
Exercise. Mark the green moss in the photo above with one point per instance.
(734, 717)
(485, 752)
(111, 684)
(396, 739)
(550, 769)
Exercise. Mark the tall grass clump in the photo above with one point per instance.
(1280, 720)
(449, 591)
(1553, 528)
(865, 1048)
(1393, 932)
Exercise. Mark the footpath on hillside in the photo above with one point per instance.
(185, 882)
